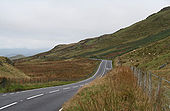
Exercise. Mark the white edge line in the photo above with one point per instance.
(34, 96)
(4, 94)
(61, 109)
(8, 105)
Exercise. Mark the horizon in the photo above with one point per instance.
(39, 26)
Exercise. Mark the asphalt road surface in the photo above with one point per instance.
(47, 99)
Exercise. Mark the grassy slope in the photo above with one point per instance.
(117, 91)
(155, 27)
(7, 70)
(50, 73)
(70, 69)
(151, 57)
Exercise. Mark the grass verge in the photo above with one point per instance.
(117, 91)
(20, 87)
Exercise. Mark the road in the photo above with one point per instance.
(47, 99)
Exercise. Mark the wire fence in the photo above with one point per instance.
(157, 88)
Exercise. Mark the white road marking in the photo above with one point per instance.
(4, 94)
(8, 105)
(11, 93)
(75, 86)
(54, 91)
(104, 70)
(21, 100)
(35, 96)
(66, 88)
(23, 91)
(61, 109)
(81, 85)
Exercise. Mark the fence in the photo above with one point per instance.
(157, 88)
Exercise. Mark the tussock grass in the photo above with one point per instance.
(66, 70)
(117, 91)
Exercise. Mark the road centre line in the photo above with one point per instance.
(6, 106)
(34, 96)
(66, 88)
(54, 91)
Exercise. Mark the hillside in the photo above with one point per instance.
(7, 69)
(60, 70)
(154, 57)
(153, 28)
(117, 91)
(16, 57)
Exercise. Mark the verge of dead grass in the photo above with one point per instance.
(69, 70)
(117, 91)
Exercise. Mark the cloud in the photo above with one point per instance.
(46, 23)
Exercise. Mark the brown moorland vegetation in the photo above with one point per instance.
(67, 70)
(117, 91)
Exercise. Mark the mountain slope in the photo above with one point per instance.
(154, 57)
(153, 28)
(16, 57)
(7, 69)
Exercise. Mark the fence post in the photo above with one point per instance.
(138, 75)
(144, 81)
(135, 71)
(157, 95)
(150, 86)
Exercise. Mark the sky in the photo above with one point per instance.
(38, 24)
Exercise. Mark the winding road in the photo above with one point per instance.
(47, 99)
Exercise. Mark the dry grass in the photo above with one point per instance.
(72, 69)
(117, 91)
(8, 71)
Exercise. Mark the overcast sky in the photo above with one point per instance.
(45, 23)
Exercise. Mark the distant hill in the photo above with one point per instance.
(153, 28)
(7, 69)
(22, 51)
(16, 57)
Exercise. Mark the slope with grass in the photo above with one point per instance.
(117, 91)
(154, 57)
(7, 70)
(153, 28)
(65, 70)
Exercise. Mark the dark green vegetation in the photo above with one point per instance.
(153, 28)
